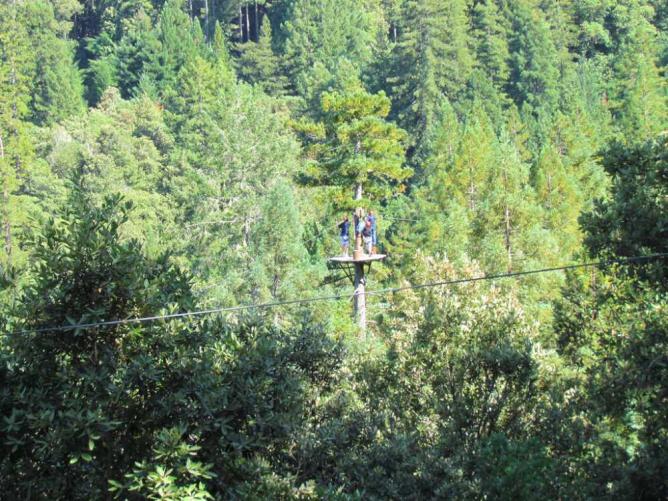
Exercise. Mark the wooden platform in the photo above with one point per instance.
(366, 258)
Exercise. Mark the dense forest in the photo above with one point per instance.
(160, 157)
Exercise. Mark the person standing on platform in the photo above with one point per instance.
(374, 234)
(366, 236)
(344, 235)
(359, 225)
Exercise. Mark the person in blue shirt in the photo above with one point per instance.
(344, 235)
(374, 234)
(366, 237)
(361, 221)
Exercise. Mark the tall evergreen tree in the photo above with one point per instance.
(491, 32)
(432, 59)
(24, 180)
(355, 147)
(318, 35)
(137, 54)
(640, 95)
(558, 193)
(57, 87)
(534, 73)
(257, 63)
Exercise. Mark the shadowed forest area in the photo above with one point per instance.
(161, 157)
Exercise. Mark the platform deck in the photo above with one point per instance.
(366, 258)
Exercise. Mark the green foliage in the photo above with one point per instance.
(121, 146)
(632, 222)
(318, 35)
(534, 75)
(356, 146)
(58, 90)
(168, 473)
(457, 372)
(258, 64)
(492, 32)
(613, 334)
(27, 185)
(431, 60)
(170, 409)
(640, 93)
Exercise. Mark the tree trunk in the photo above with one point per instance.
(358, 191)
(257, 25)
(359, 298)
(241, 25)
(246, 232)
(207, 31)
(509, 249)
(7, 225)
(506, 219)
(248, 37)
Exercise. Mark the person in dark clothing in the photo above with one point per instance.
(344, 235)
(374, 234)
(366, 237)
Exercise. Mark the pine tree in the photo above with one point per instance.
(474, 156)
(392, 13)
(257, 63)
(491, 36)
(318, 35)
(640, 95)
(356, 148)
(232, 151)
(16, 69)
(534, 73)
(278, 247)
(559, 195)
(102, 70)
(432, 59)
(137, 54)
(181, 42)
(593, 32)
(57, 86)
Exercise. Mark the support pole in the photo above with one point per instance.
(357, 250)
(359, 298)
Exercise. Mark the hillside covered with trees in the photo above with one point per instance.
(164, 157)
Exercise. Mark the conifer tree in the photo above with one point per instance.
(432, 59)
(257, 63)
(181, 42)
(57, 91)
(473, 160)
(102, 67)
(356, 147)
(232, 151)
(392, 13)
(491, 36)
(16, 150)
(282, 268)
(319, 34)
(534, 73)
(594, 38)
(137, 55)
(640, 96)
(558, 193)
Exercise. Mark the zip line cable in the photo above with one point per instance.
(622, 261)
(378, 292)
